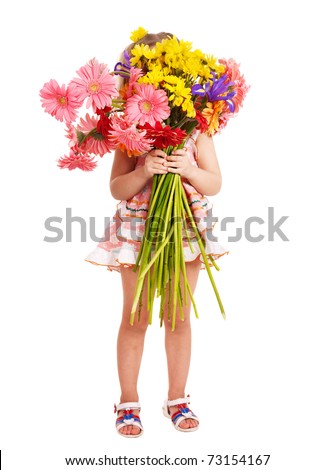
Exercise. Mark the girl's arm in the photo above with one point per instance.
(126, 180)
(207, 177)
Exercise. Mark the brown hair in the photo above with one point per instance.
(149, 40)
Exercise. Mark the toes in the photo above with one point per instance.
(135, 430)
(184, 424)
(188, 423)
(127, 430)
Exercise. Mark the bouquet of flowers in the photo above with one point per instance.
(168, 90)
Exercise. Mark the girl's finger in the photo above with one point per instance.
(157, 153)
(173, 170)
(173, 158)
(158, 160)
(173, 164)
(158, 166)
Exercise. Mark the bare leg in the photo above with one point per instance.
(178, 345)
(130, 343)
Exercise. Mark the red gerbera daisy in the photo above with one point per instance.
(97, 143)
(164, 136)
(202, 122)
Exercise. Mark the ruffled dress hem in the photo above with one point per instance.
(113, 262)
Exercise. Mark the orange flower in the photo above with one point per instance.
(211, 114)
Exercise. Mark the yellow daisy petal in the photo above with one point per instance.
(138, 34)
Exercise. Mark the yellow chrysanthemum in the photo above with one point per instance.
(173, 46)
(193, 66)
(140, 53)
(220, 69)
(159, 52)
(155, 76)
(208, 64)
(188, 107)
(138, 34)
(173, 53)
(177, 88)
(211, 61)
(179, 94)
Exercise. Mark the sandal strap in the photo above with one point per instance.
(119, 426)
(128, 420)
(178, 401)
(182, 414)
(177, 421)
(128, 405)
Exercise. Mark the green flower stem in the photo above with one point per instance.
(141, 276)
(191, 298)
(187, 232)
(180, 124)
(156, 254)
(164, 228)
(151, 295)
(182, 260)
(170, 205)
(148, 290)
(156, 185)
(184, 274)
(119, 72)
(214, 263)
(170, 271)
(179, 296)
(162, 248)
(162, 304)
(177, 249)
(165, 190)
(204, 255)
(153, 202)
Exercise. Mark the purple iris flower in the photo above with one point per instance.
(214, 89)
(127, 58)
(123, 66)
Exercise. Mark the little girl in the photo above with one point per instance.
(131, 183)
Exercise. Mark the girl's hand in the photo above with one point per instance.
(154, 163)
(179, 162)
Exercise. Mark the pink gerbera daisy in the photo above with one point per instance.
(75, 137)
(240, 86)
(96, 83)
(71, 134)
(135, 73)
(147, 105)
(77, 160)
(60, 101)
(127, 137)
(96, 143)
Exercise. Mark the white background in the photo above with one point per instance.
(261, 381)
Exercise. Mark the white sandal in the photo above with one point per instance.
(183, 413)
(128, 418)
